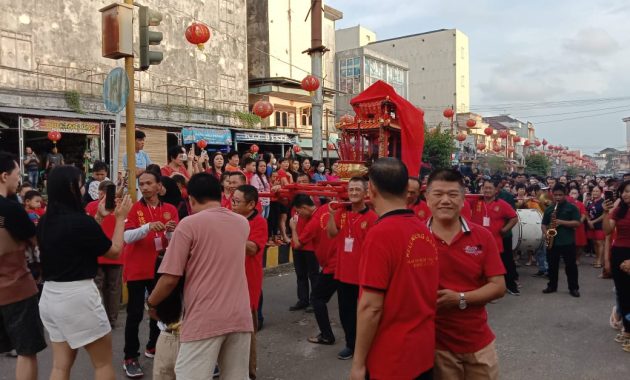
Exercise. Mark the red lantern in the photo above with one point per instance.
(488, 131)
(346, 119)
(511, 149)
(497, 148)
(544, 142)
(54, 136)
(202, 144)
(262, 108)
(310, 83)
(461, 137)
(448, 113)
(481, 146)
(470, 123)
(330, 146)
(198, 33)
(516, 139)
(527, 143)
(296, 148)
(503, 134)
(537, 142)
(254, 148)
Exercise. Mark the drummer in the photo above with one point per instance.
(498, 217)
(525, 201)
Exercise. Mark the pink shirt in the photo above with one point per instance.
(209, 248)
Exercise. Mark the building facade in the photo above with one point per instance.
(278, 35)
(439, 70)
(52, 73)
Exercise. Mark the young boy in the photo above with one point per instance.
(249, 168)
(33, 205)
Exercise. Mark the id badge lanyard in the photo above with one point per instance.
(486, 218)
(348, 242)
(157, 236)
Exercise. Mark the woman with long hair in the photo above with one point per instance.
(595, 232)
(294, 169)
(261, 183)
(307, 168)
(178, 162)
(580, 232)
(619, 219)
(216, 165)
(70, 242)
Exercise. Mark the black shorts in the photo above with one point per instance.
(21, 329)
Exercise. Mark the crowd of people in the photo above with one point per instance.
(190, 251)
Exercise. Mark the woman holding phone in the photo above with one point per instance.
(595, 229)
(619, 219)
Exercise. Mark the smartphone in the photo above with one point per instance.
(608, 195)
(110, 197)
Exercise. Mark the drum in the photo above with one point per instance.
(527, 233)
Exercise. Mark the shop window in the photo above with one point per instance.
(285, 119)
(277, 117)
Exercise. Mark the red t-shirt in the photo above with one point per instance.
(230, 168)
(580, 232)
(107, 225)
(466, 265)
(400, 259)
(499, 212)
(254, 264)
(301, 224)
(140, 256)
(314, 232)
(622, 226)
(168, 171)
(355, 226)
(283, 174)
(248, 177)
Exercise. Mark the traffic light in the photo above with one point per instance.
(149, 17)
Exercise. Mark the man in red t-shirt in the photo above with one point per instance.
(498, 217)
(148, 229)
(349, 226)
(109, 274)
(471, 275)
(399, 282)
(414, 201)
(244, 202)
(314, 232)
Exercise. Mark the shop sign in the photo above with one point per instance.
(212, 136)
(278, 138)
(61, 125)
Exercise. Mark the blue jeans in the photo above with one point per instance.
(541, 259)
(33, 178)
(265, 211)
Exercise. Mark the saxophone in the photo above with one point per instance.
(552, 230)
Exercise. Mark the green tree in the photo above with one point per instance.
(537, 165)
(438, 148)
(496, 164)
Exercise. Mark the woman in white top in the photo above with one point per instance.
(261, 183)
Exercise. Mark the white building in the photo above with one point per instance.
(627, 121)
(439, 70)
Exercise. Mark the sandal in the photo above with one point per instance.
(321, 340)
(597, 266)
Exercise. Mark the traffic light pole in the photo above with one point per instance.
(130, 126)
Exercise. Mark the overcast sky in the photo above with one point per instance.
(544, 52)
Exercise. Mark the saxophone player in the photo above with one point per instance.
(564, 217)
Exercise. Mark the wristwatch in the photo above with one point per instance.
(462, 301)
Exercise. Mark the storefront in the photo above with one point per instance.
(218, 139)
(267, 141)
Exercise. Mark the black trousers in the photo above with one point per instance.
(510, 267)
(323, 290)
(567, 252)
(348, 298)
(622, 283)
(306, 269)
(135, 312)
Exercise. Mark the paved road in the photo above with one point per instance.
(538, 336)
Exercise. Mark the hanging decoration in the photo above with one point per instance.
(54, 136)
(470, 123)
(516, 139)
(296, 148)
(202, 144)
(461, 137)
(263, 109)
(527, 143)
(198, 33)
(481, 146)
(545, 142)
(503, 134)
(537, 142)
(510, 149)
(497, 148)
(310, 83)
(448, 113)
(488, 131)
(346, 119)
(330, 146)
(254, 148)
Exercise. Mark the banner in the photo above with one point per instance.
(212, 136)
(61, 125)
(264, 137)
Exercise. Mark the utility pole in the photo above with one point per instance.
(316, 52)
(130, 125)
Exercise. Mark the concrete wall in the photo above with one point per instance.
(354, 37)
(56, 46)
(436, 67)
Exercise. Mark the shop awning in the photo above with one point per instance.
(55, 113)
(268, 137)
(213, 136)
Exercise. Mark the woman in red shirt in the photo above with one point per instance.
(178, 162)
(619, 218)
(595, 232)
(580, 232)
(216, 166)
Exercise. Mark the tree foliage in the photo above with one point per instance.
(496, 164)
(438, 148)
(537, 165)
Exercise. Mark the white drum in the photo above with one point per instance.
(527, 233)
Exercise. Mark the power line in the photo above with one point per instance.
(575, 118)
(574, 112)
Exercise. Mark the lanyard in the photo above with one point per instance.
(158, 209)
